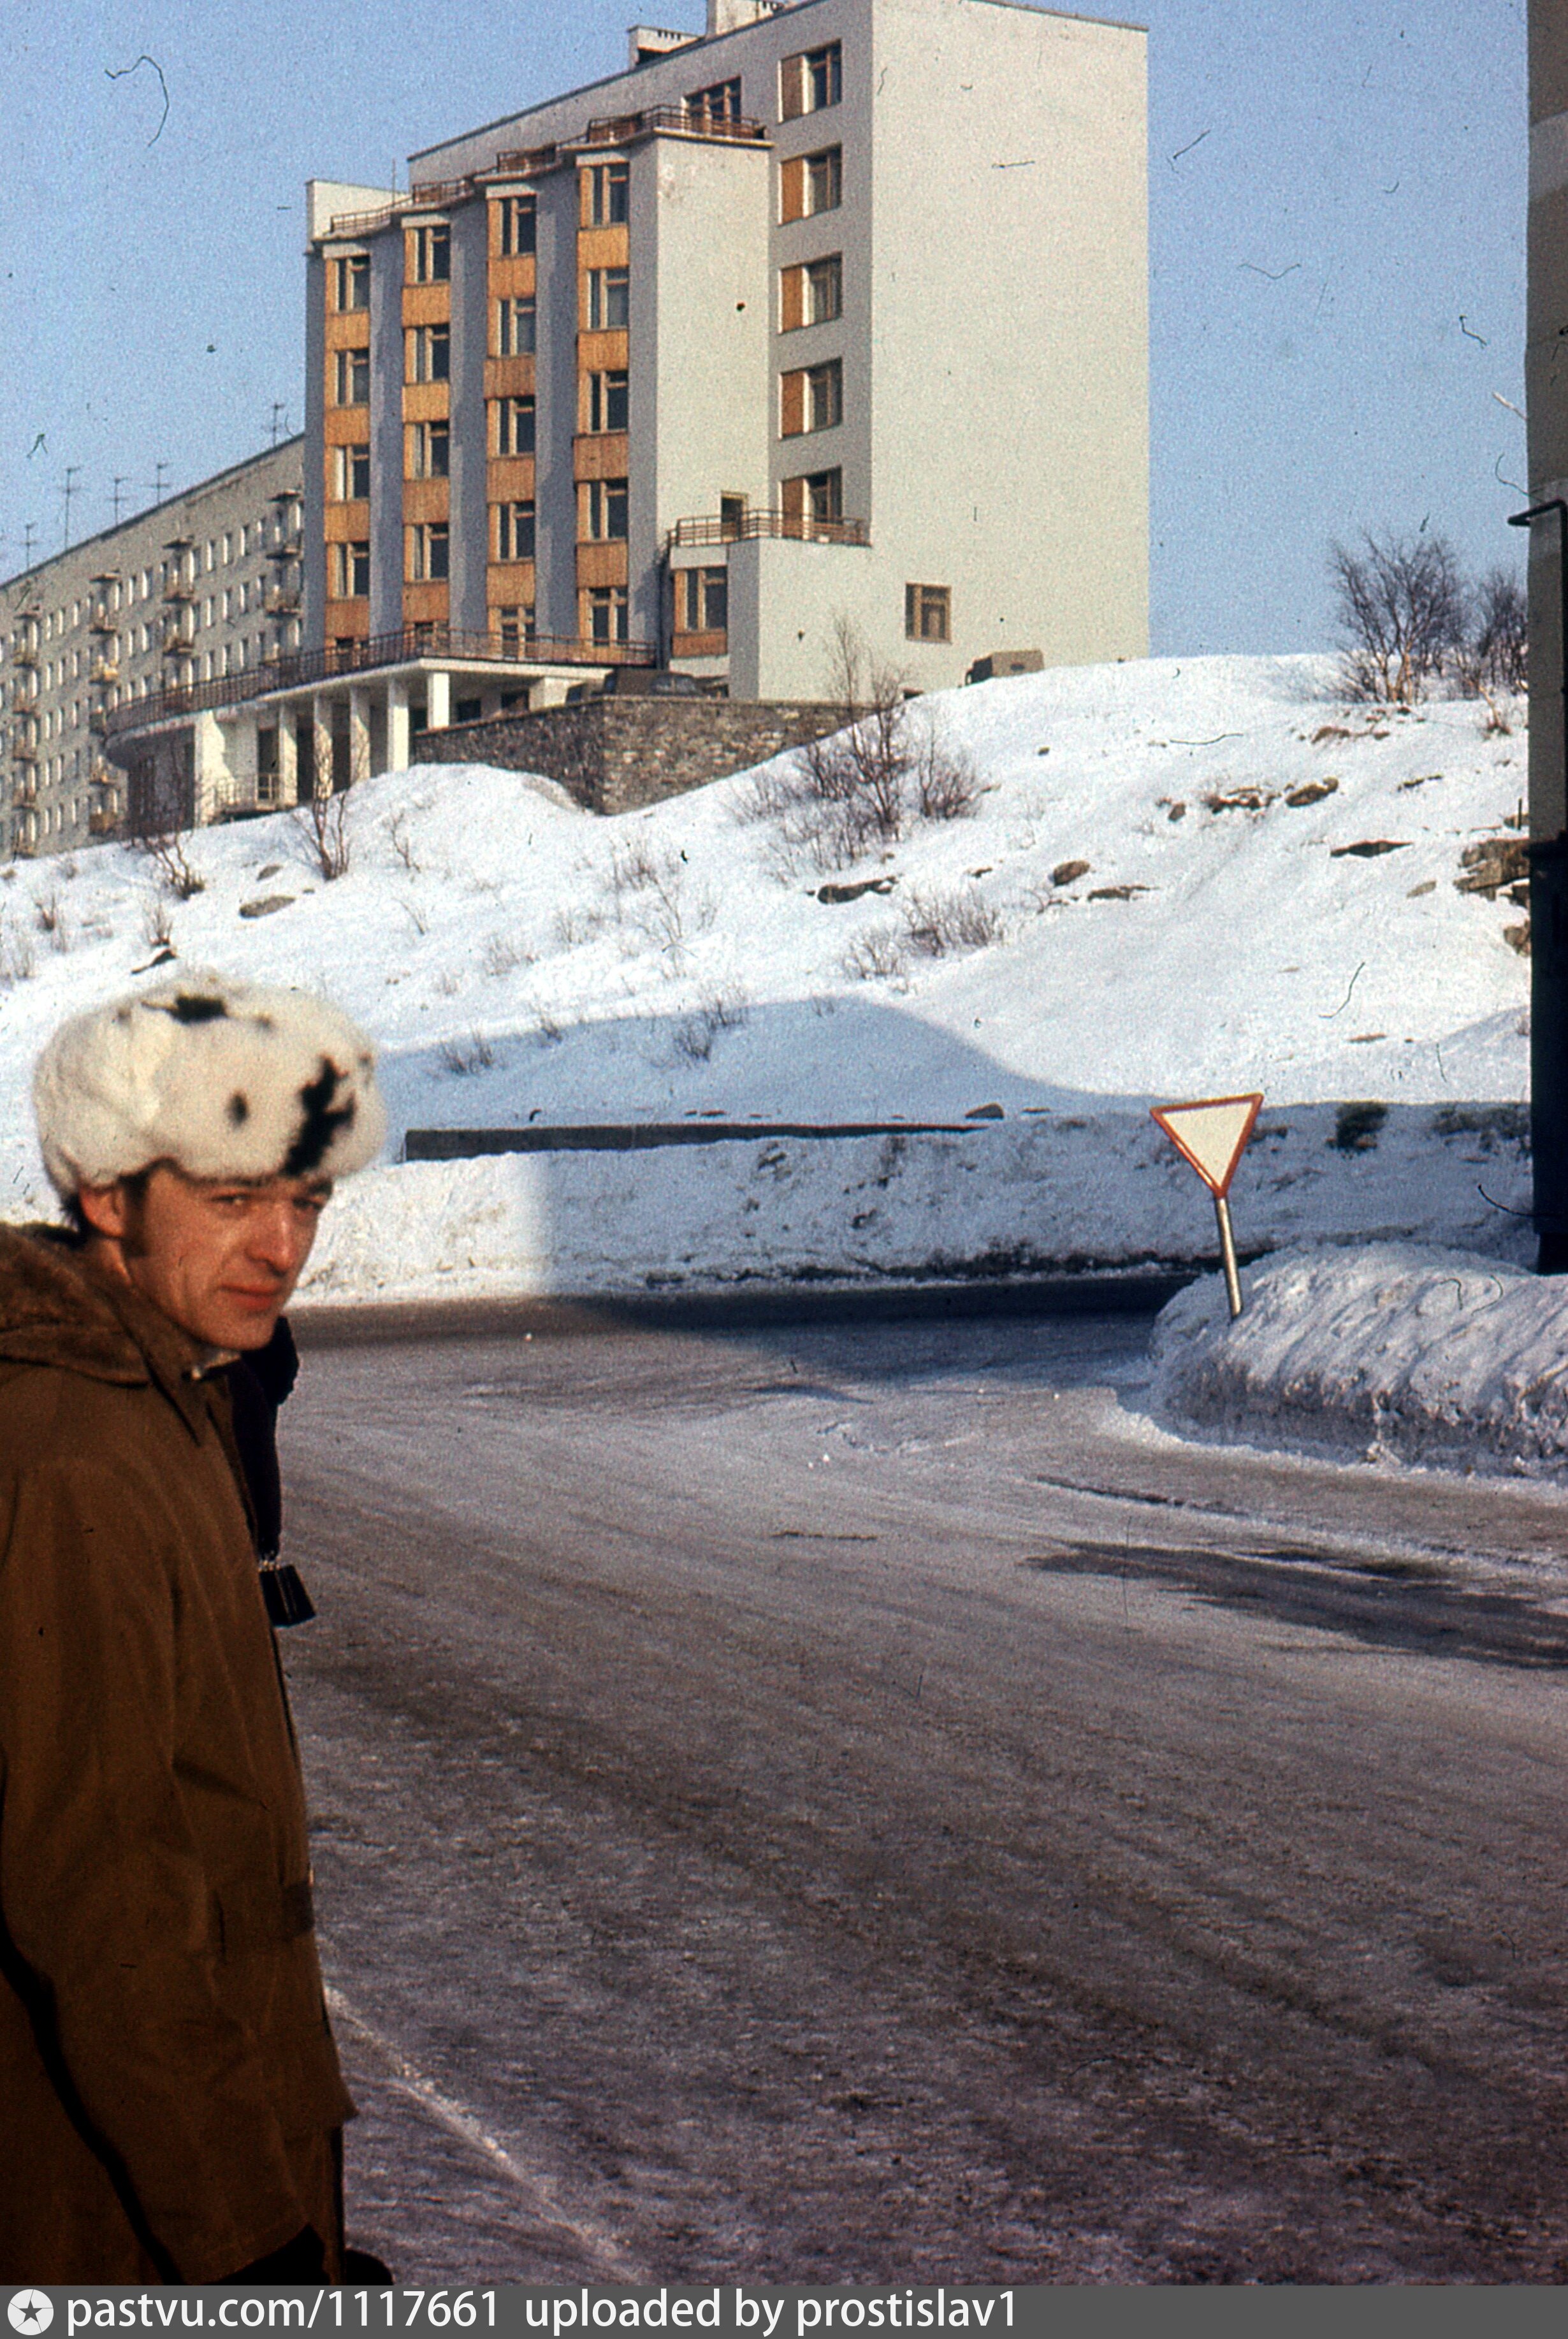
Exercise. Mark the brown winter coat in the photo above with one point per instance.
(169, 2090)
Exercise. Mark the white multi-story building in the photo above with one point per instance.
(206, 586)
(832, 315)
(838, 310)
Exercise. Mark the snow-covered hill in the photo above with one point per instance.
(1160, 858)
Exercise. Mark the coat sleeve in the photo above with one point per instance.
(103, 1888)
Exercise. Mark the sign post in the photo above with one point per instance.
(1211, 1133)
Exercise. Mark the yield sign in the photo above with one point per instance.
(1211, 1134)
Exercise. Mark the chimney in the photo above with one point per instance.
(729, 15)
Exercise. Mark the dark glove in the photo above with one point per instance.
(301, 2260)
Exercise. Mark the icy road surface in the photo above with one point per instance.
(856, 1803)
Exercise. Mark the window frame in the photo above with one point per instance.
(601, 283)
(504, 434)
(923, 602)
(350, 274)
(514, 520)
(517, 325)
(432, 250)
(510, 243)
(353, 378)
(605, 387)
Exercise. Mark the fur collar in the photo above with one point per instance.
(58, 1310)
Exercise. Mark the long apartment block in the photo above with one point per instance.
(201, 591)
(836, 312)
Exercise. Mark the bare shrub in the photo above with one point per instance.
(575, 924)
(474, 1054)
(717, 1010)
(448, 983)
(1400, 603)
(47, 910)
(548, 1027)
(157, 924)
(503, 955)
(879, 955)
(693, 1038)
(168, 856)
(1493, 660)
(947, 784)
(938, 924)
(323, 821)
(402, 843)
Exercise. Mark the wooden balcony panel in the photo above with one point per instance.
(425, 605)
(603, 247)
(426, 402)
(600, 455)
(346, 523)
(513, 275)
(510, 584)
(601, 564)
(509, 377)
(511, 479)
(696, 646)
(601, 352)
(427, 304)
(345, 426)
(426, 499)
(348, 329)
(348, 620)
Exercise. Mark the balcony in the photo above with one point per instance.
(24, 651)
(685, 121)
(103, 820)
(105, 672)
(177, 588)
(801, 527)
(283, 601)
(288, 548)
(22, 750)
(25, 788)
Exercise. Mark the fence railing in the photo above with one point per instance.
(303, 667)
(803, 526)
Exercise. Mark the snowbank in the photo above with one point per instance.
(1181, 877)
(1430, 1356)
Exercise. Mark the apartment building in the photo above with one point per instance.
(201, 591)
(833, 314)
(835, 311)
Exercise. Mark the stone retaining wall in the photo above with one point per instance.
(615, 754)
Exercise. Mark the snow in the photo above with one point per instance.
(1400, 1353)
(520, 960)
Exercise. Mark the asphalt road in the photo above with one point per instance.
(863, 1804)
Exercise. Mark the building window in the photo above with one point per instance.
(605, 194)
(602, 510)
(428, 354)
(608, 401)
(352, 387)
(722, 102)
(513, 531)
(350, 474)
(810, 184)
(515, 627)
(429, 450)
(812, 398)
(609, 299)
(607, 614)
(514, 426)
(351, 283)
(430, 252)
(351, 581)
(810, 81)
(516, 227)
(928, 613)
(815, 494)
(811, 295)
(516, 329)
(428, 551)
(702, 600)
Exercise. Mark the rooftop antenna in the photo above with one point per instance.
(159, 468)
(280, 419)
(72, 472)
(120, 481)
(29, 538)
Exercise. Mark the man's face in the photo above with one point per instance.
(219, 1256)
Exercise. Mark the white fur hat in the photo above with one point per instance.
(223, 1078)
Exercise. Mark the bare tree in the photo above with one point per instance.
(323, 821)
(1400, 606)
(1494, 652)
(175, 874)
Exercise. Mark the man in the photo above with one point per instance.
(170, 2105)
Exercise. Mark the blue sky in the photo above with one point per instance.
(1336, 222)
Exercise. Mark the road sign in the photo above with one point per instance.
(1211, 1133)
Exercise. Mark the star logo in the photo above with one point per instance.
(30, 2311)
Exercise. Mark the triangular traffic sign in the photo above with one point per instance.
(1211, 1133)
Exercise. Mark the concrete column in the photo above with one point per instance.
(321, 730)
(439, 704)
(287, 756)
(397, 727)
(359, 734)
(209, 768)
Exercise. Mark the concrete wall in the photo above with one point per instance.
(614, 754)
(556, 405)
(387, 432)
(469, 517)
(786, 602)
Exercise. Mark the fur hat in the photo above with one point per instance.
(222, 1079)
